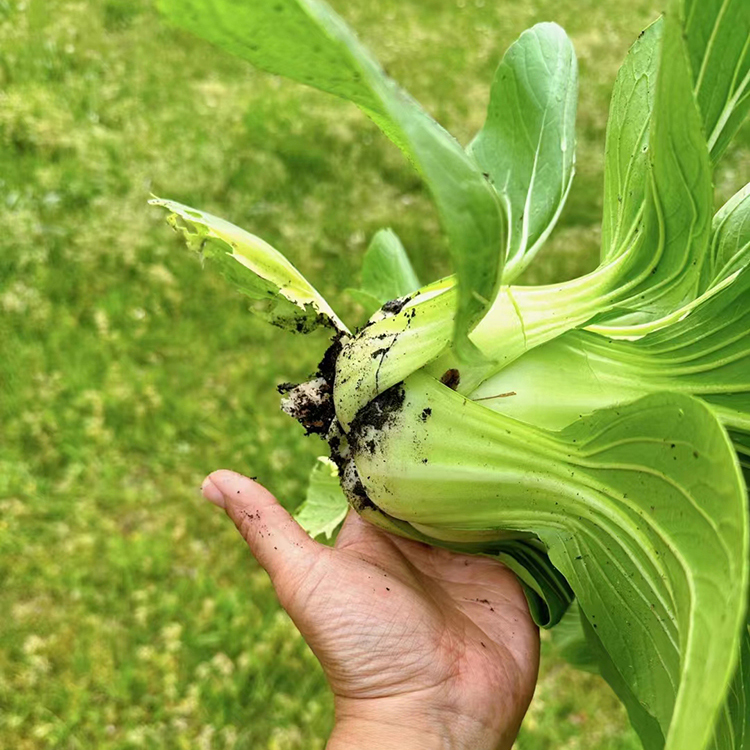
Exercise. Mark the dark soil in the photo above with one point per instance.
(327, 365)
(395, 306)
(316, 415)
(378, 413)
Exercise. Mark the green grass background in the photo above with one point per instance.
(131, 615)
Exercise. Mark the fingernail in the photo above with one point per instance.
(212, 493)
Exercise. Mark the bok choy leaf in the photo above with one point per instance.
(527, 144)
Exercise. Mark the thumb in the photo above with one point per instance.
(276, 540)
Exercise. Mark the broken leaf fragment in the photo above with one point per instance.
(325, 506)
(281, 294)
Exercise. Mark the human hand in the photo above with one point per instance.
(423, 648)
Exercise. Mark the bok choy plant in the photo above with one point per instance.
(590, 434)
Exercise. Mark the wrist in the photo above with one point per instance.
(404, 723)
(368, 734)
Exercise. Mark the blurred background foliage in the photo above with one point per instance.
(132, 615)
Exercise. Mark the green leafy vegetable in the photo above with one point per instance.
(730, 245)
(527, 144)
(705, 351)
(669, 244)
(594, 435)
(283, 296)
(627, 144)
(577, 641)
(718, 34)
(325, 506)
(387, 273)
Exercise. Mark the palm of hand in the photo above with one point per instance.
(387, 617)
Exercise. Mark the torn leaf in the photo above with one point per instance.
(281, 294)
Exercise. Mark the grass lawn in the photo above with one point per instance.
(132, 615)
